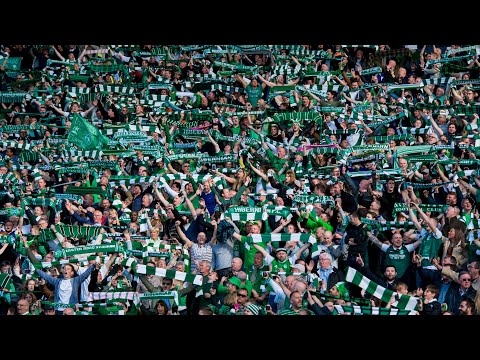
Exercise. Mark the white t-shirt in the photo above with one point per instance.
(65, 292)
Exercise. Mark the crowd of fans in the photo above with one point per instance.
(239, 180)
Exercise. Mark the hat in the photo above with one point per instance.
(255, 309)
(281, 249)
(298, 267)
(343, 291)
(235, 281)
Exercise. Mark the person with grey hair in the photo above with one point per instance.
(327, 274)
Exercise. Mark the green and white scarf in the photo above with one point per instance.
(109, 248)
(246, 213)
(313, 199)
(369, 310)
(404, 302)
(169, 274)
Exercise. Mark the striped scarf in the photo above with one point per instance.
(114, 89)
(169, 274)
(402, 207)
(80, 190)
(245, 213)
(82, 260)
(130, 180)
(184, 156)
(170, 295)
(11, 97)
(369, 310)
(387, 139)
(96, 154)
(266, 238)
(15, 144)
(113, 295)
(313, 199)
(78, 231)
(217, 159)
(404, 302)
(109, 248)
(426, 185)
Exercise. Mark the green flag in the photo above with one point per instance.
(85, 135)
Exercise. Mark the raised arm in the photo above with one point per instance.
(214, 143)
(374, 239)
(258, 171)
(182, 235)
(414, 219)
(57, 52)
(265, 81)
(427, 220)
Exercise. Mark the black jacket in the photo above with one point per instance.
(453, 298)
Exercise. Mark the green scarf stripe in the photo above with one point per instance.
(88, 249)
(38, 202)
(173, 295)
(15, 144)
(169, 274)
(73, 170)
(145, 254)
(83, 260)
(96, 154)
(248, 140)
(386, 139)
(114, 89)
(184, 156)
(447, 60)
(190, 134)
(240, 107)
(11, 97)
(77, 231)
(251, 216)
(103, 164)
(382, 223)
(404, 303)
(217, 159)
(130, 180)
(12, 212)
(8, 177)
(427, 185)
(313, 199)
(106, 68)
(80, 190)
(15, 128)
(461, 49)
(369, 310)
(227, 88)
(402, 207)
(112, 295)
(413, 131)
(76, 90)
(265, 238)
(191, 145)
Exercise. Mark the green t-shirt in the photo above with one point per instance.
(429, 246)
(254, 94)
(400, 258)
(250, 251)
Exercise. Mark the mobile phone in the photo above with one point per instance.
(214, 167)
(268, 307)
